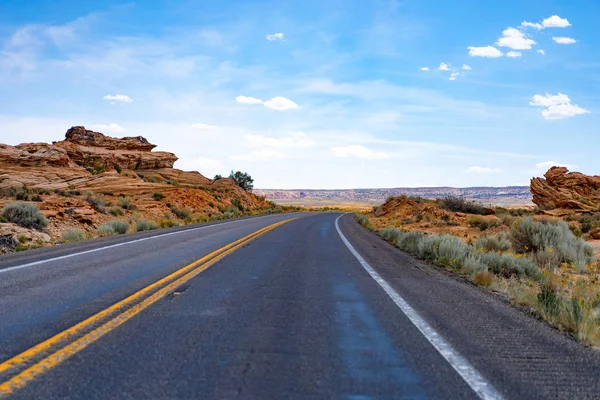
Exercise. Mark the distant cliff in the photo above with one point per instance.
(513, 195)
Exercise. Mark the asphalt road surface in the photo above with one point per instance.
(288, 306)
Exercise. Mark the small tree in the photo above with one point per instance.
(217, 177)
(242, 179)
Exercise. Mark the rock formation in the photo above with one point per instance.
(562, 189)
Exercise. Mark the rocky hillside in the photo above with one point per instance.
(89, 179)
(564, 190)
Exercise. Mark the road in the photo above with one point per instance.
(302, 306)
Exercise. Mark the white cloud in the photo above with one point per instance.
(562, 111)
(248, 100)
(535, 25)
(564, 40)
(483, 170)
(555, 22)
(261, 155)
(122, 98)
(444, 67)
(515, 39)
(542, 52)
(466, 67)
(204, 127)
(110, 128)
(425, 69)
(453, 76)
(546, 165)
(557, 107)
(296, 140)
(274, 36)
(549, 100)
(487, 51)
(552, 22)
(281, 104)
(357, 151)
(514, 54)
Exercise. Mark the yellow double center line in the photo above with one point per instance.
(48, 354)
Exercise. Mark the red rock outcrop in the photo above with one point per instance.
(562, 189)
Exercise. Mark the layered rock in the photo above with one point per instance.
(562, 189)
(94, 150)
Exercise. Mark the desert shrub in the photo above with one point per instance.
(217, 177)
(118, 168)
(114, 227)
(508, 265)
(125, 203)
(97, 202)
(473, 265)
(492, 243)
(168, 223)
(116, 211)
(181, 213)
(158, 196)
(478, 222)
(457, 204)
(390, 235)
(106, 230)
(548, 297)
(37, 198)
(171, 182)
(72, 235)
(25, 215)
(551, 237)
(143, 225)
(96, 169)
(363, 220)
(483, 278)
(409, 241)
(237, 203)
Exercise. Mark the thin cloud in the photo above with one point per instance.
(453, 76)
(487, 52)
(466, 67)
(483, 170)
(281, 104)
(110, 128)
(514, 54)
(357, 151)
(248, 100)
(564, 40)
(424, 68)
(296, 140)
(542, 52)
(274, 36)
(120, 98)
(444, 67)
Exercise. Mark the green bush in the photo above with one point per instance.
(143, 225)
(72, 235)
(113, 227)
(456, 204)
(158, 196)
(508, 265)
(546, 237)
(25, 215)
(243, 180)
(116, 211)
(478, 222)
(493, 243)
(96, 201)
(125, 203)
(238, 204)
(363, 220)
(180, 212)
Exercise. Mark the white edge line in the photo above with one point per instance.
(472, 377)
(31, 264)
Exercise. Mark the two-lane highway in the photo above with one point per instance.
(311, 308)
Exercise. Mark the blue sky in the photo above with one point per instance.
(315, 94)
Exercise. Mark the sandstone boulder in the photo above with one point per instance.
(566, 190)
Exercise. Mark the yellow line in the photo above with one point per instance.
(69, 349)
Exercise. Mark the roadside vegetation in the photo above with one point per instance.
(542, 264)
